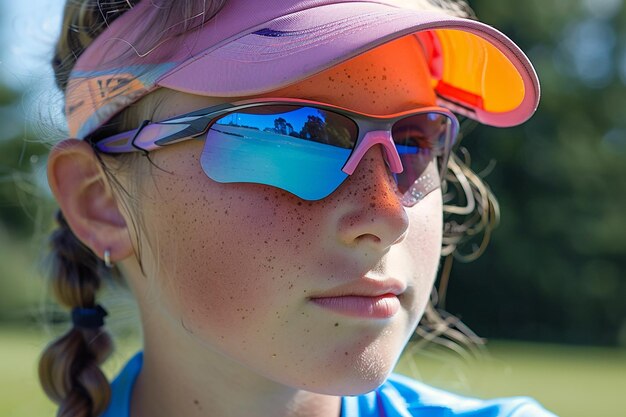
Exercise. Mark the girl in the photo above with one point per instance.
(266, 177)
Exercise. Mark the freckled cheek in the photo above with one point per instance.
(234, 267)
(215, 305)
(218, 278)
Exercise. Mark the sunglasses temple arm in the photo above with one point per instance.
(151, 136)
(119, 143)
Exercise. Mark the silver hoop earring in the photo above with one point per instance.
(107, 259)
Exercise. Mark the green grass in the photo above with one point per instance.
(21, 395)
(570, 381)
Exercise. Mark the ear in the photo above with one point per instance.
(84, 194)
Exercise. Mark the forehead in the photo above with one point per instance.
(388, 79)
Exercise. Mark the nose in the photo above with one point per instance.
(375, 214)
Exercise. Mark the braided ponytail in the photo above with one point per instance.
(69, 367)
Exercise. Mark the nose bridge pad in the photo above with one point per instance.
(376, 137)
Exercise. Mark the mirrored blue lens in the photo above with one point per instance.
(298, 149)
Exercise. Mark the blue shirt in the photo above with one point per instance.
(399, 396)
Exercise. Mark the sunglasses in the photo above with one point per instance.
(304, 147)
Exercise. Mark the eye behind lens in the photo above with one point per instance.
(421, 133)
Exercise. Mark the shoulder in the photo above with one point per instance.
(401, 396)
(122, 387)
(415, 395)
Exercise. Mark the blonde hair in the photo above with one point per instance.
(69, 368)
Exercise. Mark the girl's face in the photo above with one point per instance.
(233, 266)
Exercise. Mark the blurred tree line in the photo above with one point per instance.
(17, 155)
(554, 270)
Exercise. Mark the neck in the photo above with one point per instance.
(181, 380)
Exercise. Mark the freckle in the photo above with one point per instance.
(273, 355)
(336, 324)
(345, 353)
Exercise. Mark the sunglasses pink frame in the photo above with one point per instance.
(370, 130)
(150, 136)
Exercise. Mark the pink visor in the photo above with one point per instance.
(252, 47)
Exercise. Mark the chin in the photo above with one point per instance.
(362, 370)
(349, 382)
(349, 386)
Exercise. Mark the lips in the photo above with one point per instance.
(365, 298)
(379, 307)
